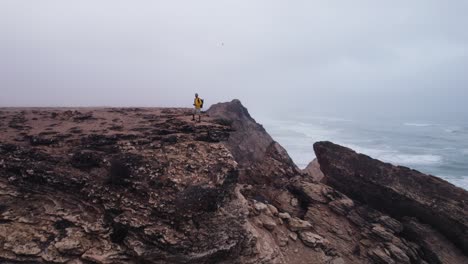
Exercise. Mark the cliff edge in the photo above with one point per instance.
(148, 185)
(399, 191)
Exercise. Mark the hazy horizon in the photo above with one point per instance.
(363, 59)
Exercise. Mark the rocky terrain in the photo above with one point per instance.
(148, 185)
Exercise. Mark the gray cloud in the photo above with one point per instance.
(321, 56)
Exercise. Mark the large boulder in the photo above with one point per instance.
(397, 190)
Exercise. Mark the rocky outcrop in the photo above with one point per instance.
(436, 205)
(317, 215)
(353, 231)
(261, 159)
(152, 190)
(148, 185)
(313, 170)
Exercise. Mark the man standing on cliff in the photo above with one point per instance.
(198, 103)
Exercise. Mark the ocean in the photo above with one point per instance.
(436, 148)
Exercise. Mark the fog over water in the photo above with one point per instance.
(336, 57)
(395, 62)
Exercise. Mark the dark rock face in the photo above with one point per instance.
(436, 247)
(119, 172)
(315, 214)
(398, 191)
(261, 159)
(131, 196)
(196, 200)
(85, 160)
(151, 186)
(37, 141)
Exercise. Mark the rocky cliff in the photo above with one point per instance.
(262, 160)
(432, 210)
(148, 185)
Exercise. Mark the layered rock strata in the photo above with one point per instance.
(432, 210)
(148, 185)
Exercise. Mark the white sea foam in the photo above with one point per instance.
(373, 152)
(303, 157)
(297, 133)
(298, 138)
(387, 154)
(409, 159)
(456, 129)
(311, 131)
(460, 181)
(333, 119)
(418, 124)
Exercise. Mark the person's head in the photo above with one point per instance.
(196, 95)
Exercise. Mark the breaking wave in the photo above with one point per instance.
(460, 181)
(395, 157)
(431, 148)
(418, 124)
(409, 159)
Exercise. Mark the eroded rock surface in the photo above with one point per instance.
(402, 192)
(116, 186)
(263, 160)
(148, 185)
(313, 170)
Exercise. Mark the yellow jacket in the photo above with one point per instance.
(197, 103)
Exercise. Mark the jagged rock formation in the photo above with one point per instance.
(433, 211)
(314, 171)
(146, 185)
(116, 186)
(263, 160)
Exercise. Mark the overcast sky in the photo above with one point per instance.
(360, 56)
